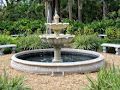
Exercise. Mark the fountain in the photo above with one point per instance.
(57, 39)
(57, 60)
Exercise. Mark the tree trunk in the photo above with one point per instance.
(80, 10)
(49, 15)
(104, 9)
(70, 8)
(46, 7)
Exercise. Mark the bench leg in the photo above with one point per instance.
(104, 49)
(1, 52)
(13, 50)
(117, 51)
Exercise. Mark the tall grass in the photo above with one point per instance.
(108, 79)
(8, 83)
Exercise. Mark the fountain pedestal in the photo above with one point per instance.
(57, 54)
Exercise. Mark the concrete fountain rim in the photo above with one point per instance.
(65, 64)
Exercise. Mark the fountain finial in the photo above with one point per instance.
(56, 17)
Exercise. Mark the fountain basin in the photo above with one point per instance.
(21, 62)
(59, 40)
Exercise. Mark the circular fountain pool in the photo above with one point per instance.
(74, 60)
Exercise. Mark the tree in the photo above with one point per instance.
(70, 8)
(80, 6)
(104, 9)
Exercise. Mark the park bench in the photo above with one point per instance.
(2, 47)
(102, 35)
(107, 45)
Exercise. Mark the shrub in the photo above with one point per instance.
(90, 42)
(28, 26)
(75, 27)
(22, 26)
(7, 51)
(31, 42)
(107, 79)
(15, 83)
(6, 39)
(113, 33)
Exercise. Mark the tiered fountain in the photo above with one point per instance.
(57, 60)
(57, 39)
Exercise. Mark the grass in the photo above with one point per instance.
(107, 79)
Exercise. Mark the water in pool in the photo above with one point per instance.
(48, 57)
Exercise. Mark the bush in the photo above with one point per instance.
(28, 26)
(22, 26)
(89, 42)
(31, 42)
(75, 27)
(6, 39)
(108, 79)
(113, 33)
(7, 51)
(100, 27)
(8, 83)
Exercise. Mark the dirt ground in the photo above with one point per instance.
(47, 82)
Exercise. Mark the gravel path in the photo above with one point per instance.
(47, 82)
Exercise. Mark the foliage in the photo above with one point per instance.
(15, 83)
(22, 26)
(28, 42)
(31, 42)
(22, 9)
(113, 33)
(74, 26)
(6, 39)
(91, 9)
(93, 27)
(107, 79)
(89, 42)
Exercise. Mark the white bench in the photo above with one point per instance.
(102, 35)
(2, 47)
(116, 46)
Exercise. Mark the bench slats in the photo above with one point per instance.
(111, 45)
(9, 45)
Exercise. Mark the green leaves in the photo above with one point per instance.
(5, 39)
(108, 79)
(89, 42)
(15, 83)
(22, 26)
(31, 42)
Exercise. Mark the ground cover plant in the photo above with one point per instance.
(15, 83)
(107, 79)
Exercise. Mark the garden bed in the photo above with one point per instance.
(45, 82)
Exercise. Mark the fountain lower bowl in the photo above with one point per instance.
(60, 40)
(91, 62)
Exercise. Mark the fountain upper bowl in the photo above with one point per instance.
(57, 26)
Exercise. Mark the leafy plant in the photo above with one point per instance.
(31, 42)
(15, 83)
(107, 79)
(6, 39)
(113, 33)
(90, 42)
